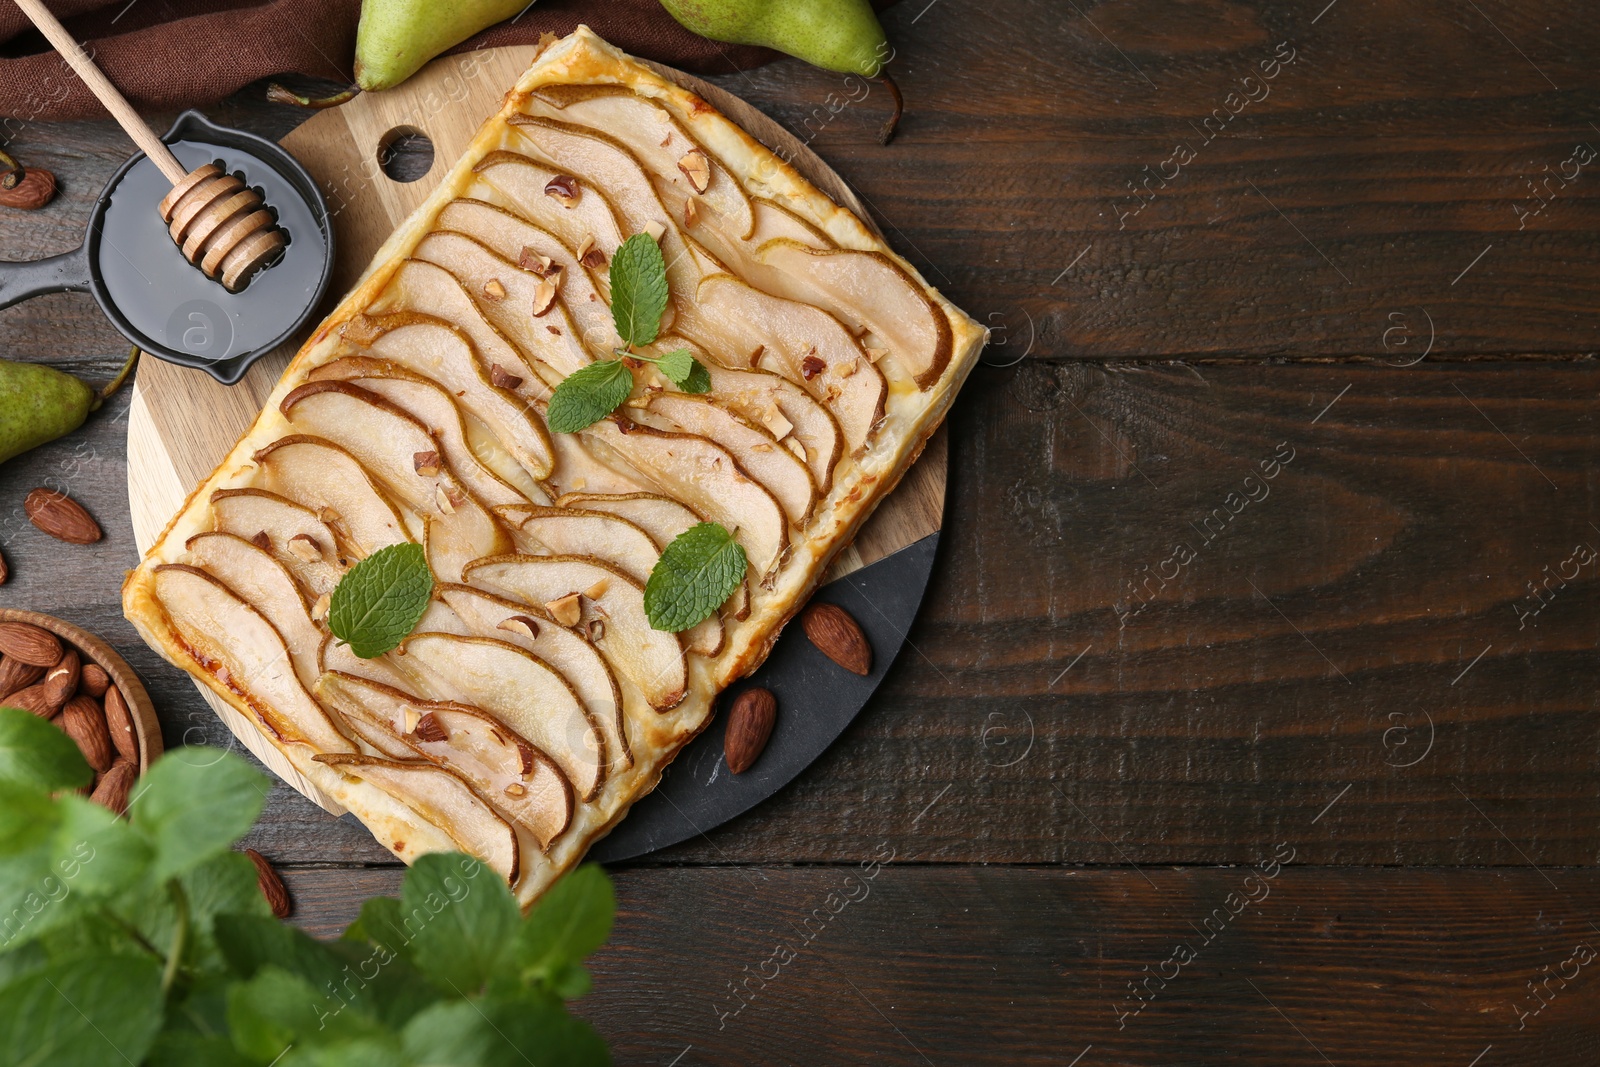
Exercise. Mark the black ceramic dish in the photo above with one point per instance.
(157, 299)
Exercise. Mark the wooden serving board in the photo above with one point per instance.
(182, 422)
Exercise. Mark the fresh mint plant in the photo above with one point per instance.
(638, 299)
(695, 574)
(145, 940)
(380, 601)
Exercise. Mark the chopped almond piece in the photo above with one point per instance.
(429, 728)
(691, 214)
(811, 366)
(303, 548)
(797, 448)
(566, 610)
(494, 290)
(501, 378)
(263, 541)
(563, 188)
(327, 514)
(442, 500)
(654, 229)
(696, 168)
(520, 624)
(848, 369)
(597, 630)
(425, 463)
(775, 422)
(319, 610)
(545, 296)
(530, 259)
(598, 589)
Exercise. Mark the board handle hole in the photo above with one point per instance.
(405, 154)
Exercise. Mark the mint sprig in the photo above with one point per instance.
(638, 299)
(638, 289)
(696, 573)
(381, 600)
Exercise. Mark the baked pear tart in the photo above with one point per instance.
(536, 699)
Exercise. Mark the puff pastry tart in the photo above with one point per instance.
(534, 703)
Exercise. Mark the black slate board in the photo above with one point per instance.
(817, 699)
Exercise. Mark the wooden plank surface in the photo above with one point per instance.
(1006, 966)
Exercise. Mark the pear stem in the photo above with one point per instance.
(886, 134)
(116, 383)
(14, 171)
(277, 94)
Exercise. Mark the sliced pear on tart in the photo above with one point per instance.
(438, 350)
(266, 585)
(507, 770)
(522, 691)
(771, 400)
(530, 627)
(650, 658)
(761, 456)
(522, 180)
(235, 646)
(404, 457)
(433, 407)
(294, 535)
(806, 345)
(322, 477)
(443, 799)
(568, 532)
(421, 287)
(662, 518)
(661, 145)
(704, 476)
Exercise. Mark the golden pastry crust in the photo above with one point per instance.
(913, 409)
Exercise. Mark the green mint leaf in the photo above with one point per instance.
(382, 598)
(96, 1009)
(697, 572)
(570, 921)
(638, 289)
(685, 371)
(471, 920)
(493, 1032)
(588, 395)
(35, 753)
(193, 804)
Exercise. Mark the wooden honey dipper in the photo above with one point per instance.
(220, 224)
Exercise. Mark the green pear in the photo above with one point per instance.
(396, 37)
(39, 403)
(842, 35)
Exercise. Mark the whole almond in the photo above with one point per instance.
(61, 680)
(15, 675)
(272, 886)
(119, 722)
(86, 725)
(94, 680)
(29, 644)
(36, 189)
(35, 698)
(839, 636)
(750, 723)
(62, 517)
(111, 792)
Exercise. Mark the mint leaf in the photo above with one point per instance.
(35, 753)
(193, 804)
(502, 1032)
(685, 371)
(570, 921)
(85, 1012)
(466, 919)
(381, 600)
(697, 572)
(588, 395)
(638, 289)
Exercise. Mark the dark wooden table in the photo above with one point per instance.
(1251, 716)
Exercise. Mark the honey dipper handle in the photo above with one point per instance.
(119, 107)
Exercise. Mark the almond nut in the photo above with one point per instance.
(838, 636)
(119, 724)
(34, 698)
(696, 168)
(566, 610)
(272, 886)
(544, 297)
(111, 791)
(521, 625)
(429, 728)
(15, 675)
(750, 723)
(493, 290)
(563, 188)
(36, 189)
(501, 378)
(304, 548)
(61, 680)
(94, 680)
(60, 516)
(85, 723)
(29, 644)
(425, 463)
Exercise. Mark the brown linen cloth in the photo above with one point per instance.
(184, 53)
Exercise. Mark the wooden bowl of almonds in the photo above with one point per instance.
(66, 674)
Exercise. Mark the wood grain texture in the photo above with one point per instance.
(1008, 966)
